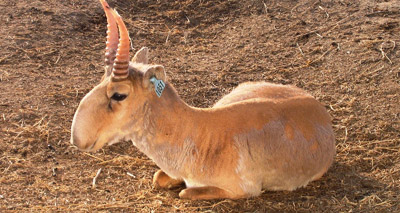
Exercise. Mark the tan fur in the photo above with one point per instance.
(260, 136)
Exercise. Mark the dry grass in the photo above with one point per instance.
(345, 53)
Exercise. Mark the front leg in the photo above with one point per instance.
(162, 180)
(206, 193)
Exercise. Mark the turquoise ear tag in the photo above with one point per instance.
(159, 85)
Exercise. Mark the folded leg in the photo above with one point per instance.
(162, 180)
(207, 193)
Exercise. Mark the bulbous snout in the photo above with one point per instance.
(90, 120)
(81, 142)
(83, 130)
(76, 141)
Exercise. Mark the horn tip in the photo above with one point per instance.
(105, 5)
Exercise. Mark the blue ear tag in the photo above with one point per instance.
(159, 85)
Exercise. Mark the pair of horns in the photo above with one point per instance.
(117, 51)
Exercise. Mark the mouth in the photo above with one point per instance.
(90, 149)
(115, 139)
(93, 148)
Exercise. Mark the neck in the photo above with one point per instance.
(162, 134)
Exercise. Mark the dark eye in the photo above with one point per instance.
(118, 97)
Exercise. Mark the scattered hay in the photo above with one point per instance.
(346, 54)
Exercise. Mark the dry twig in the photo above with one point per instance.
(384, 55)
(265, 7)
(95, 178)
(323, 9)
(301, 51)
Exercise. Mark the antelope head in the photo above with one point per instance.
(104, 114)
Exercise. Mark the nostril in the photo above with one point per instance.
(87, 146)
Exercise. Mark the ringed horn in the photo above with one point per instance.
(120, 61)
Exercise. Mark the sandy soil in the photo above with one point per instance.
(344, 52)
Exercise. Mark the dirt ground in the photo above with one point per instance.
(344, 52)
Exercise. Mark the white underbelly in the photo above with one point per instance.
(192, 184)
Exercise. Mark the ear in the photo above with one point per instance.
(141, 56)
(107, 72)
(153, 71)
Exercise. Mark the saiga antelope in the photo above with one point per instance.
(259, 136)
